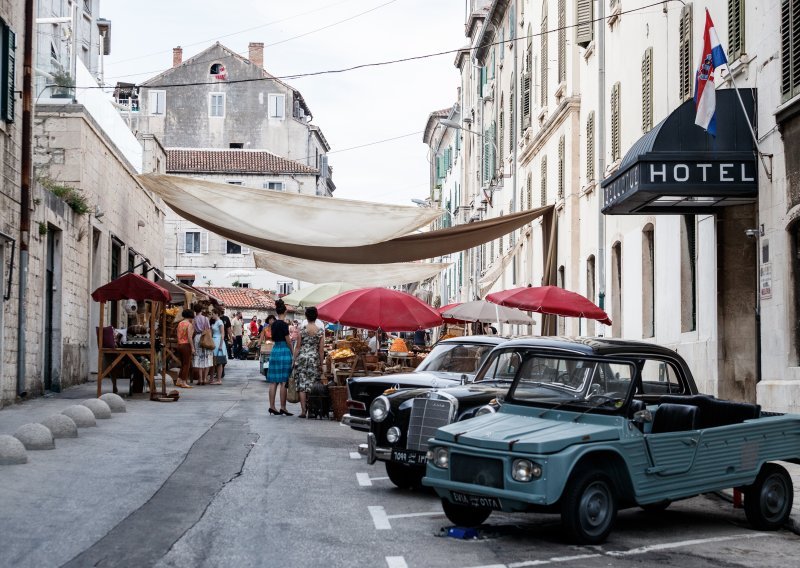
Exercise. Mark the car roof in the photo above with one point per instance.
(476, 339)
(591, 345)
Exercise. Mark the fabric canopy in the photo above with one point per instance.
(177, 294)
(131, 287)
(498, 267)
(313, 295)
(388, 274)
(263, 216)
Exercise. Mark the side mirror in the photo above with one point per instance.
(464, 379)
(643, 416)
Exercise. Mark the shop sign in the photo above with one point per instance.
(765, 280)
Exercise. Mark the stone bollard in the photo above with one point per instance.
(35, 436)
(12, 451)
(82, 416)
(114, 401)
(61, 426)
(99, 408)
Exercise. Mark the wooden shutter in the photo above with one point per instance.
(590, 176)
(562, 41)
(486, 149)
(543, 60)
(735, 29)
(790, 48)
(526, 101)
(585, 30)
(181, 241)
(647, 90)
(511, 123)
(543, 188)
(685, 53)
(561, 152)
(615, 118)
(529, 192)
(502, 132)
(203, 241)
(8, 68)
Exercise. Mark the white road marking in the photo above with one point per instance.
(355, 456)
(364, 480)
(379, 518)
(631, 552)
(396, 562)
(695, 542)
(409, 515)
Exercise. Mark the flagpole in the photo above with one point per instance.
(761, 155)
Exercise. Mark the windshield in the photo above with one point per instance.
(557, 380)
(455, 358)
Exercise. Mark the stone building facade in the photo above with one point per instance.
(557, 101)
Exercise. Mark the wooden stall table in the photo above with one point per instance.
(132, 287)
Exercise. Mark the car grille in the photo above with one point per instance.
(477, 471)
(427, 414)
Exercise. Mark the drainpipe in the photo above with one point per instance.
(601, 153)
(25, 193)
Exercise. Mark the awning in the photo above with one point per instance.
(386, 274)
(678, 168)
(497, 268)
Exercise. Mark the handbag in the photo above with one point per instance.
(206, 340)
(292, 394)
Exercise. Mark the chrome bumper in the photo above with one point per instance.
(373, 452)
(356, 422)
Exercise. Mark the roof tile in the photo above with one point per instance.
(184, 160)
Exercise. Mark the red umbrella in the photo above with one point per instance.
(443, 309)
(379, 308)
(550, 300)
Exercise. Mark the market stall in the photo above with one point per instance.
(139, 348)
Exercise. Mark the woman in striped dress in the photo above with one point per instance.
(280, 360)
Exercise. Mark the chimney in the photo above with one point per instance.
(256, 54)
(177, 56)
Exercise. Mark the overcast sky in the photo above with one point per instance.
(353, 108)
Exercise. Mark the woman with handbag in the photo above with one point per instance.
(280, 360)
(309, 353)
(203, 345)
(185, 340)
(220, 358)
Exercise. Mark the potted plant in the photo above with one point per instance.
(62, 83)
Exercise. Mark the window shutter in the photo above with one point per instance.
(735, 29)
(543, 60)
(562, 41)
(502, 43)
(486, 149)
(615, 118)
(543, 189)
(685, 53)
(561, 152)
(512, 23)
(182, 242)
(245, 250)
(203, 241)
(8, 66)
(526, 100)
(511, 123)
(790, 48)
(493, 164)
(222, 245)
(590, 147)
(491, 252)
(529, 192)
(502, 131)
(647, 90)
(585, 29)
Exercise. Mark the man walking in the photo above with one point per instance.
(237, 327)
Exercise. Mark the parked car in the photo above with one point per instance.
(592, 426)
(449, 362)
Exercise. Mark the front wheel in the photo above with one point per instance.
(464, 515)
(589, 506)
(403, 476)
(768, 501)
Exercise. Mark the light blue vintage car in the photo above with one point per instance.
(590, 426)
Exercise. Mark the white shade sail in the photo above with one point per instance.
(286, 217)
(483, 311)
(387, 274)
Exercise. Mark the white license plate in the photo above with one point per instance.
(474, 500)
(411, 457)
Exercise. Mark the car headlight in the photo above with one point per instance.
(525, 470)
(379, 409)
(440, 457)
(485, 409)
(393, 434)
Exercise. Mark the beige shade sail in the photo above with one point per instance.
(315, 272)
(264, 216)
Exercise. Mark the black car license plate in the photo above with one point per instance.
(474, 500)
(410, 457)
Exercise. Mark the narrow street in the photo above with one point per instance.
(212, 480)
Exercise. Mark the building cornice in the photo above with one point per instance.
(567, 106)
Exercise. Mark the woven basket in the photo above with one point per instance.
(338, 401)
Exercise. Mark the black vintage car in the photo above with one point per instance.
(402, 422)
(449, 363)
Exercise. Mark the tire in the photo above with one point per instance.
(403, 476)
(656, 507)
(464, 515)
(589, 506)
(768, 501)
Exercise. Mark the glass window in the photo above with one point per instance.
(277, 106)
(233, 248)
(158, 102)
(455, 358)
(274, 185)
(660, 377)
(192, 242)
(216, 104)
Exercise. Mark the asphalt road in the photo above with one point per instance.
(213, 480)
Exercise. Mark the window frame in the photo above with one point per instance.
(158, 94)
(196, 242)
(212, 106)
(280, 110)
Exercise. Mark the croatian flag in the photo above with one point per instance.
(704, 100)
